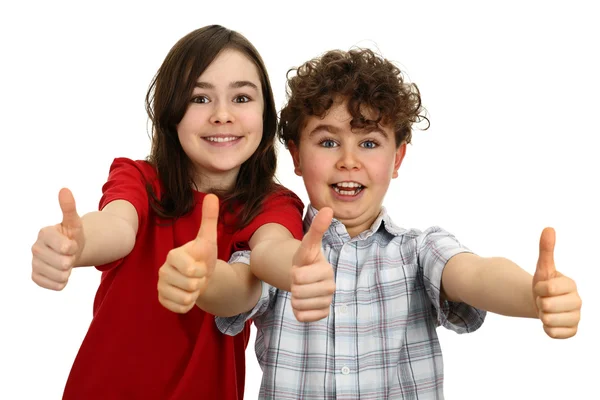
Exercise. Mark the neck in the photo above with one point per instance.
(208, 182)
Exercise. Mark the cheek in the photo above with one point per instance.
(191, 122)
(381, 169)
(252, 120)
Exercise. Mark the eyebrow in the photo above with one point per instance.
(232, 85)
(335, 130)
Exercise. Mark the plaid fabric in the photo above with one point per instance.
(379, 341)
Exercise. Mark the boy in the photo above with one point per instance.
(346, 124)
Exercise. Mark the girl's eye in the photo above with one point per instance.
(369, 144)
(241, 99)
(200, 99)
(328, 143)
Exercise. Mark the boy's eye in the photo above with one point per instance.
(328, 143)
(241, 99)
(200, 99)
(369, 144)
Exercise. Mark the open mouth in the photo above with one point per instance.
(347, 188)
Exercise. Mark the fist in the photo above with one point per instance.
(58, 247)
(313, 284)
(556, 298)
(186, 273)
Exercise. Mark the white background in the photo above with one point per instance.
(512, 92)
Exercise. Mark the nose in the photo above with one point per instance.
(348, 161)
(221, 114)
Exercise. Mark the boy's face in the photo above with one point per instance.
(345, 170)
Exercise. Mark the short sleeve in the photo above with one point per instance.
(435, 248)
(284, 208)
(127, 181)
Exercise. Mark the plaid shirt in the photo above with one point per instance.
(379, 340)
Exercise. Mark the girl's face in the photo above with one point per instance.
(223, 124)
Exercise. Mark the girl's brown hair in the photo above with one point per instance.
(166, 103)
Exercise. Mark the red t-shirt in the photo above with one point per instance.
(137, 349)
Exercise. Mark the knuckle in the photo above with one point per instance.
(553, 333)
(171, 255)
(66, 264)
(189, 300)
(35, 249)
(193, 284)
(545, 305)
(547, 319)
(300, 316)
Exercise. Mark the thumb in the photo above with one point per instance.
(310, 247)
(71, 219)
(210, 218)
(546, 268)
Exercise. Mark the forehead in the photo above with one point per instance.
(229, 66)
(338, 121)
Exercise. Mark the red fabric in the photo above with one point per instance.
(137, 349)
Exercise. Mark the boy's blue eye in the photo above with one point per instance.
(369, 144)
(328, 143)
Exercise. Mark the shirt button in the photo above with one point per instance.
(345, 370)
(343, 309)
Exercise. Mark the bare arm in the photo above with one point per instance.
(109, 234)
(233, 290)
(493, 284)
(273, 248)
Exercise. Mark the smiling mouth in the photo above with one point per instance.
(347, 188)
(221, 139)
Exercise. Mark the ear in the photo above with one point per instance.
(400, 153)
(295, 152)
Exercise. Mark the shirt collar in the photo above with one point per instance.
(338, 229)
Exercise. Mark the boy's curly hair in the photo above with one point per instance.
(362, 77)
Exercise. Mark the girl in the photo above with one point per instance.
(214, 120)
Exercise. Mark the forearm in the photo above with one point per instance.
(107, 238)
(494, 284)
(232, 290)
(271, 261)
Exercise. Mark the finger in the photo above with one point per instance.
(71, 219)
(561, 320)
(311, 316)
(313, 273)
(182, 259)
(314, 303)
(560, 333)
(170, 276)
(317, 289)
(50, 257)
(545, 266)
(47, 283)
(559, 304)
(555, 287)
(210, 218)
(173, 306)
(175, 294)
(56, 275)
(310, 246)
(51, 237)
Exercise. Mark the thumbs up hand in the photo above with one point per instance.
(312, 276)
(556, 298)
(186, 273)
(58, 247)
